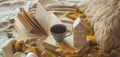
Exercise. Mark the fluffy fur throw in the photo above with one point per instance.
(104, 16)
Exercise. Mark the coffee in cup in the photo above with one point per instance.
(59, 32)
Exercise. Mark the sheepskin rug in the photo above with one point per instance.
(104, 16)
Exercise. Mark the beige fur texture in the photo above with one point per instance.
(104, 16)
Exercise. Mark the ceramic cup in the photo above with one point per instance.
(59, 32)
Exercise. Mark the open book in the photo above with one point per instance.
(41, 23)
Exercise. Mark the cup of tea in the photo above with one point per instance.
(59, 32)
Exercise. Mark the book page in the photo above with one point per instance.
(45, 19)
(53, 20)
(22, 31)
(25, 23)
(31, 21)
(42, 17)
